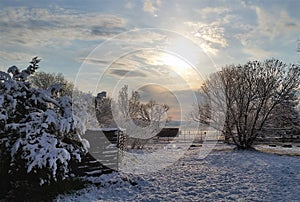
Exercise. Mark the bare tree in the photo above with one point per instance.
(252, 92)
(141, 120)
(46, 80)
(285, 115)
(211, 101)
(153, 113)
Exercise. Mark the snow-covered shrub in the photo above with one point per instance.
(84, 108)
(39, 136)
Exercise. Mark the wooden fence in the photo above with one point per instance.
(106, 149)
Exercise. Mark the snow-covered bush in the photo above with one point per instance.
(39, 136)
(84, 108)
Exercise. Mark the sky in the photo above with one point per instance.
(162, 48)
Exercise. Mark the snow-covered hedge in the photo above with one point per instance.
(39, 136)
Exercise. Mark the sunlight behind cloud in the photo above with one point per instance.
(186, 49)
(181, 68)
(176, 63)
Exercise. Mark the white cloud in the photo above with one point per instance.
(93, 61)
(257, 53)
(151, 6)
(275, 23)
(50, 27)
(271, 26)
(129, 5)
(208, 12)
(210, 36)
(246, 36)
(16, 56)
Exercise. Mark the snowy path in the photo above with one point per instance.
(221, 176)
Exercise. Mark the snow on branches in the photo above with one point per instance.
(38, 132)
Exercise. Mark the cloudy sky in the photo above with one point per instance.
(104, 44)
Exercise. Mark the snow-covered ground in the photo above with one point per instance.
(293, 151)
(224, 175)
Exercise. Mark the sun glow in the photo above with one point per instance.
(185, 49)
(182, 68)
(177, 63)
(182, 56)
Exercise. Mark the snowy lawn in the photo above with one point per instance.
(225, 175)
(293, 151)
